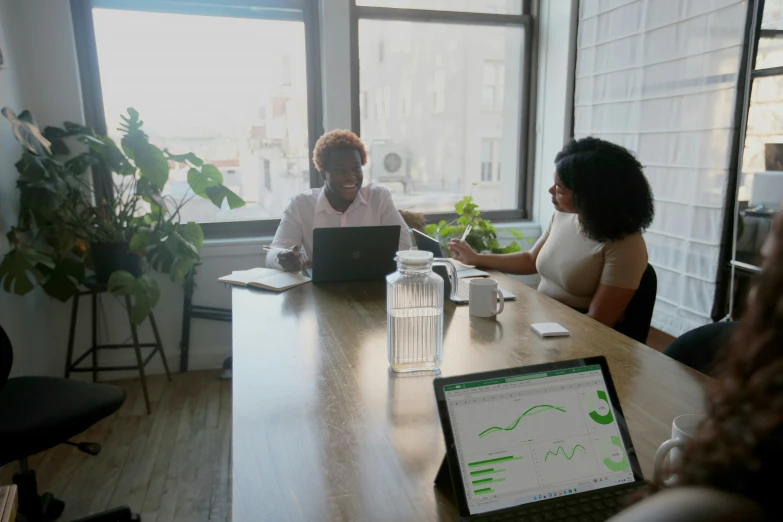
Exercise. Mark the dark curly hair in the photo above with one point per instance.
(611, 194)
(334, 140)
(740, 448)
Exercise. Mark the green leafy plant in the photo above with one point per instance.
(483, 234)
(61, 212)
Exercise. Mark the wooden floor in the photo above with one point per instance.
(658, 339)
(173, 465)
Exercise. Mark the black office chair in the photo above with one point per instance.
(37, 413)
(638, 315)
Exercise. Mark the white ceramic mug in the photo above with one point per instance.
(484, 298)
(683, 428)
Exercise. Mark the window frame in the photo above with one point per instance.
(525, 159)
(305, 11)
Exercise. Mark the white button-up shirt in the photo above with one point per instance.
(373, 206)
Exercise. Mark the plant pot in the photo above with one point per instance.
(107, 258)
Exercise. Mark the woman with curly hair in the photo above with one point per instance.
(592, 256)
(730, 469)
(341, 202)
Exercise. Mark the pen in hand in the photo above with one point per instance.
(465, 234)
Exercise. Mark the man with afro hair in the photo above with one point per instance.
(341, 202)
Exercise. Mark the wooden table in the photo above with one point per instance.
(323, 430)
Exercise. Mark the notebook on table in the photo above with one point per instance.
(266, 278)
(544, 442)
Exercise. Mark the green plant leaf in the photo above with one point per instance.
(56, 137)
(431, 229)
(15, 268)
(78, 165)
(140, 240)
(110, 153)
(184, 158)
(510, 249)
(192, 233)
(200, 180)
(220, 193)
(181, 267)
(63, 281)
(160, 257)
(149, 159)
(44, 196)
(27, 133)
(131, 124)
(144, 293)
(150, 193)
(31, 167)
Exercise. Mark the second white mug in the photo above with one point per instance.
(484, 298)
(683, 428)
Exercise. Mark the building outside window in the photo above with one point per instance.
(494, 78)
(456, 81)
(490, 159)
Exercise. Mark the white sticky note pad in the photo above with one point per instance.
(549, 330)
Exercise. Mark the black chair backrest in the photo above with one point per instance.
(638, 315)
(6, 357)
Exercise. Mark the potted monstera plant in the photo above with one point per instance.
(67, 225)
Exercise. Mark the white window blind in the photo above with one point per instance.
(659, 77)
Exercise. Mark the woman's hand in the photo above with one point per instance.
(461, 251)
(290, 261)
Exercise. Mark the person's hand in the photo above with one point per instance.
(290, 261)
(461, 251)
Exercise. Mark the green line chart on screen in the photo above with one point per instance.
(540, 408)
(561, 451)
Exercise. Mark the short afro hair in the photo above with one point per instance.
(335, 140)
(611, 194)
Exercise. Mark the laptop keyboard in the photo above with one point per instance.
(595, 506)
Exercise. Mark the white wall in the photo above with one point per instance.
(553, 114)
(34, 323)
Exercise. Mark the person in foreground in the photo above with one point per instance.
(592, 256)
(730, 470)
(341, 202)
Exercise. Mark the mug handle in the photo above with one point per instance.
(660, 455)
(501, 302)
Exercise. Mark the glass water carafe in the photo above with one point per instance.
(414, 309)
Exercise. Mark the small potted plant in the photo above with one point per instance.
(67, 225)
(483, 236)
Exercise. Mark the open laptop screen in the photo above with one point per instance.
(535, 436)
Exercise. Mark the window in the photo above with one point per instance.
(513, 7)
(455, 79)
(230, 87)
(490, 160)
(439, 92)
(406, 98)
(494, 79)
(267, 175)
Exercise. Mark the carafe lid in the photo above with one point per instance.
(414, 257)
